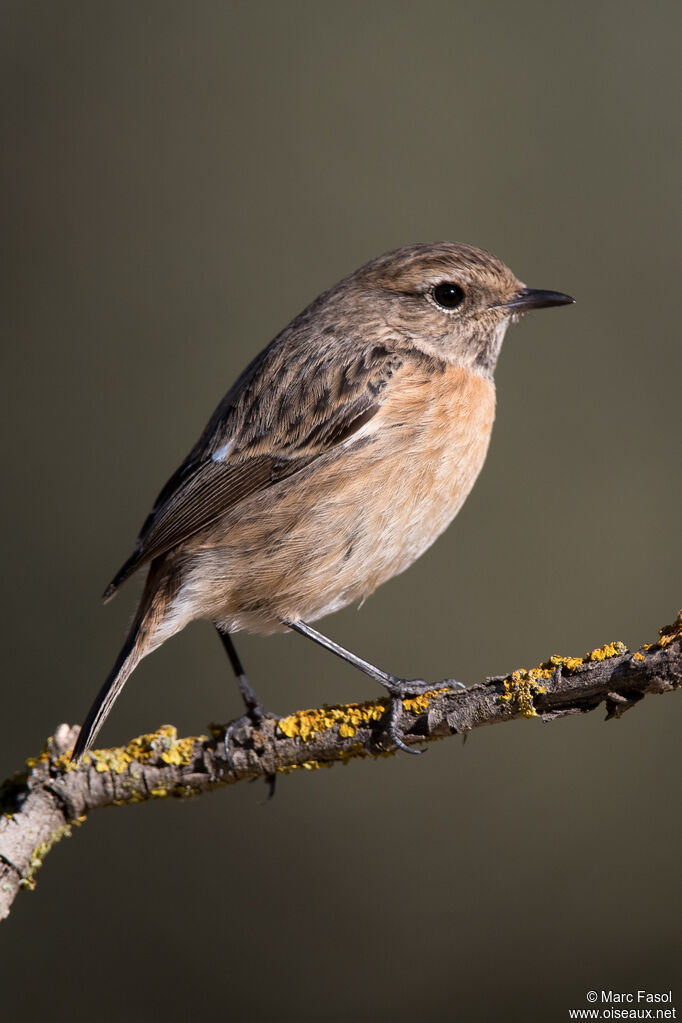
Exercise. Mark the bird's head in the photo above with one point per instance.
(450, 300)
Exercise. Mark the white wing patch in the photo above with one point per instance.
(365, 429)
(221, 453)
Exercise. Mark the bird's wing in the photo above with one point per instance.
(262, 433)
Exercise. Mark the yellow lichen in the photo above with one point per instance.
(32, 762)
(522, 686)
(305, 724)
(41, 851)
(670, 632)
(131, 797)
(603, 653)
(421, 703)
(570, 663)
(64, 763)
(114, 761)
(180, 754)
(637, 656)
(163, 744)
(599, 654)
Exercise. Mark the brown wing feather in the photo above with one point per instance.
(213, 488)
(203, 489)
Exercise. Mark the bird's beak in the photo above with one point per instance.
(533, 298)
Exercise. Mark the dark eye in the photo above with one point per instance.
(448, 295)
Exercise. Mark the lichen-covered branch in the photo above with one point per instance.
(42, 803)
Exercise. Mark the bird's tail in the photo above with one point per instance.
(141, 640)
(126, 662)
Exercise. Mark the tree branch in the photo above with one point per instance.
(41, 804)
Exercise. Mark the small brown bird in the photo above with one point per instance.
(339, 455)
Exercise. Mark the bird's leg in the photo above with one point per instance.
(254, 708)
(255, 711)
(398, 688)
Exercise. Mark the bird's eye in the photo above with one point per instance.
(448, 295)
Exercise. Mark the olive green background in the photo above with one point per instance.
(180, 179)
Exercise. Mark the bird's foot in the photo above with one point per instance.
(255, 715)
(400, 689)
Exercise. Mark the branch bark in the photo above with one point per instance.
(41, 804)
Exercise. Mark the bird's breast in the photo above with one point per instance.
(330, 534)
(427, 447)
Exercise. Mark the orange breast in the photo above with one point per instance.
(329, 535)
(432, 438)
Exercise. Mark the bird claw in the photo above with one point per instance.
(391, 729)
(255, 716)
(404, 689)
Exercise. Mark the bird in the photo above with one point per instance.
(339, 455)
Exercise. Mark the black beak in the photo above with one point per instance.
(532, 298)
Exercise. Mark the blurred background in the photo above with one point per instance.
(179, 180)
